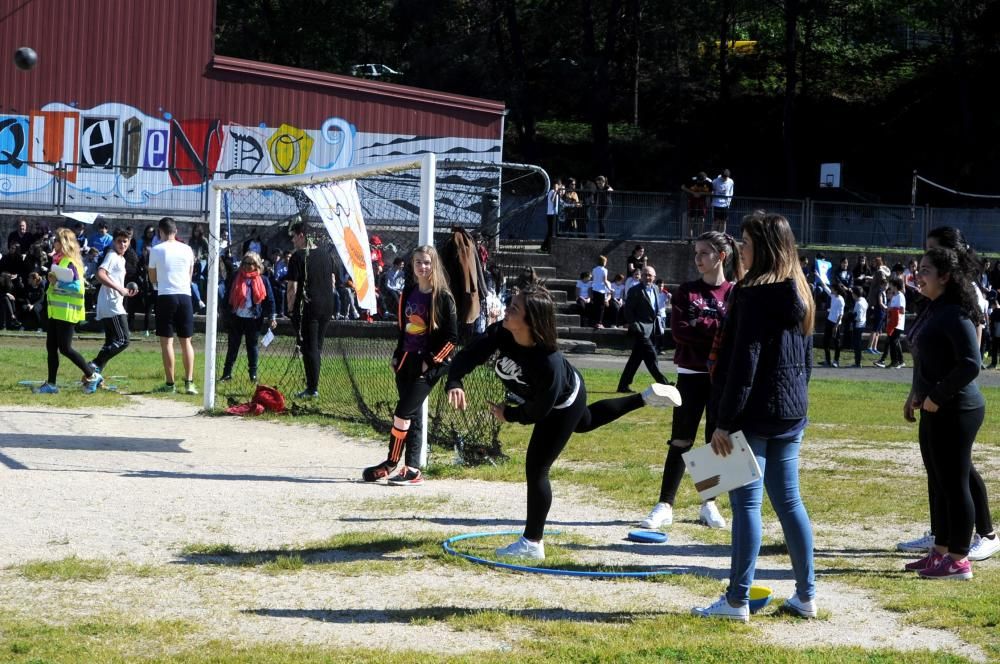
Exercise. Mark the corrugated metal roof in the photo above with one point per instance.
(158, 56)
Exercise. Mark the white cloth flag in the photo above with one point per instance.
(340, 209)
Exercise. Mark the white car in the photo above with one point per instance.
(373, 71)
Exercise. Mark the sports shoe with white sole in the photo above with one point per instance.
(948, 569)
(661, 396)
(984, 547)
(407, 477)
(918, 545)
(91, 384)
(662, 515)
(722, 609)
(709, 515)
(523, 548)
(800, 608)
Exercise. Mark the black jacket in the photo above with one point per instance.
(639, 312)
(442, 339)
(945, 357)
(536, 379)
(760, 382)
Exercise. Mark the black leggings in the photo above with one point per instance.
(548, 439)
(59, 339)
(694, 389)
(413, 386)
(946, 439)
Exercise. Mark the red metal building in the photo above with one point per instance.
(129, 108)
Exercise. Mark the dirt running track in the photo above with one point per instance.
(135, 485)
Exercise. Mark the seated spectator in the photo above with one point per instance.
(614, 313)
(862, 271)
(634, 279)
(81, 239)
(8, 304)
(842, 275)
(395, 282)
(102, 239)
(31, 303)
(13, 262)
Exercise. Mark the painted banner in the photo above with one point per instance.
(340, 209)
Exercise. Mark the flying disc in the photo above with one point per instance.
(760, 596)
(647, 536)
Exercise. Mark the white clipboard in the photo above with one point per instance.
(713, 474)
(267, 339)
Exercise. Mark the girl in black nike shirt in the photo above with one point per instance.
(544, 390)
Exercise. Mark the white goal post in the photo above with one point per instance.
(425, 163)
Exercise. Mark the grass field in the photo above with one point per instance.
(861, 480)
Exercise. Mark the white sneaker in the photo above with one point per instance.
(523, 548)
(662, 515)
(661, 396)
(722, 609)
(919, 545)
(983, 547)
(800, 608)
(709, 515)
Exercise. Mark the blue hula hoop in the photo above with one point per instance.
(447, 546)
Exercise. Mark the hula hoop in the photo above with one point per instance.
(447, 546)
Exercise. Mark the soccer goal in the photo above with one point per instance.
(401, 204)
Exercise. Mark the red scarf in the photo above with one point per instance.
(238, 293)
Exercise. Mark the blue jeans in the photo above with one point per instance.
(779, 463)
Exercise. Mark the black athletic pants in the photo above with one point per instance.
(313, 332)
(548, 439)
(59, 339)
(642, 351)
(946, 439)
(831, 336)
(116, 339)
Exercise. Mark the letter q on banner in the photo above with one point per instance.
(340, 209)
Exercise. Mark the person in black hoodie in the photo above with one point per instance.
(760, 384)
(544, 390)
(428, 331)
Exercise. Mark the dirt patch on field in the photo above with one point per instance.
(140, 485)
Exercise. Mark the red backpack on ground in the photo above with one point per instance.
(264, 399)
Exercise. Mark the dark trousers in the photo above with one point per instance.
(548, 439)
(243, 330)
(831, 336)
(893, 348)
(856, 333)
(643, 351)
(550, 223)
(59, 339)
(597, 306)
(115, 339)
(313, 331)
(695, 390)
(946, 439)
(413, 386)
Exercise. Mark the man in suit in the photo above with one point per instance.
(643, 324)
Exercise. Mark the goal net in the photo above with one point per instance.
(403, 204)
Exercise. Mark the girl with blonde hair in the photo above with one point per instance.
(65, 302)
(428, 332)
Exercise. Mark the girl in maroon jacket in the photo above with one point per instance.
(428, 332)
(698, 309)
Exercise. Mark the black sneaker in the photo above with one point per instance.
(375, 473)
(879, 363)
(225, 379)
(407, 477)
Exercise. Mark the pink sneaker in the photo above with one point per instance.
(948, 568)
(927, 562)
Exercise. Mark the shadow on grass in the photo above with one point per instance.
(442, 613)
(483, 523)
(163, 474)
(344, 552)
